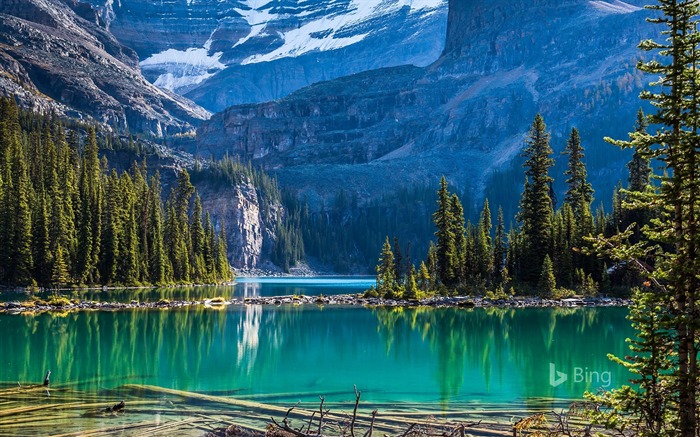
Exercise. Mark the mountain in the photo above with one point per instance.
(464, 115)
(225, 52)
(55, 56)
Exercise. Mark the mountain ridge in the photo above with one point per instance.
(53, 59)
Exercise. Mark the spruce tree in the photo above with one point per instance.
(445, 224)
(158, 258)
(500, 248)
(547, 283)
(458, 261)
(91, 202)
(579, 193)
(536, 207)
(59, 270)
(640, 165)
(198, 241)
(19, 194)
(386, 272)
(674, 275)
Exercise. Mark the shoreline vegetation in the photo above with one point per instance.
(549, 251)
(63, 304)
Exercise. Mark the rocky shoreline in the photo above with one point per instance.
(337, 300)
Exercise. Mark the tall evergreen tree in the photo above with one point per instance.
(536, 207)
(579, 193)
(446, 251)
(158, 259)
(676, 283)
(458, 261)
(90, 228)
(500, 248)
(386, 279)
(640, 165)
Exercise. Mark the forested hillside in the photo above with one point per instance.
(67, 219)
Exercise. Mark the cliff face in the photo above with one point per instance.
(225, 52)
(250, 231)
(463, 116)
(55, 56)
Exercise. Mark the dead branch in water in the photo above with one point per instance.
(348, 427)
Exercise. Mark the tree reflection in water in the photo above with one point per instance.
(392, 354)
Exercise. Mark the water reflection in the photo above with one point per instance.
(419, 354)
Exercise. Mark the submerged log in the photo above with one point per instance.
(116, 408)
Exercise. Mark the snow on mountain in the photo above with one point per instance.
(614, 7)
(325, 32)
(198, 47)
(185, 67)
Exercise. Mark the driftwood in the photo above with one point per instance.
(116, 408)
(416, 428)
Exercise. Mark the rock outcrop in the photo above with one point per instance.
(250, 230)
(464, 115)
(54, 55)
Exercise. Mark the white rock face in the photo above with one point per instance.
(249, 231)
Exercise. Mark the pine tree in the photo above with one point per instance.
(90, 228)
(640, 165)
(675, 279)
(536, 207)
(484, 243)
(198, 241)
(19, 194)
(41, 253)
(500, 248)
(579, 194)
(158, 258)
(112, 231)
(411, 286)
(386, 271)
(398, 261)
(423, 278)
(59, 270)
(458, 261)
(547, 283)
(223, 267)
(445, 224)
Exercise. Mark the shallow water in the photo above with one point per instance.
(434, 358)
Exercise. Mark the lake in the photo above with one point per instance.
(444, 358)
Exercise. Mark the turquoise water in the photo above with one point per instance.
(441, 356)
(243, 287)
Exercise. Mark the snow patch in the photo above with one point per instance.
(306, 37)
(195, 56)
(614, 7)
(184, 68)
(171, 82)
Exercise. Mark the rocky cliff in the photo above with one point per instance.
(464, 115)
(225, 52)
(54, 55)
(250, 230)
